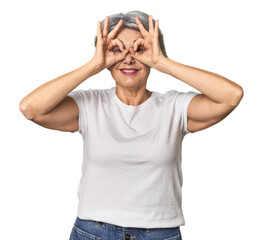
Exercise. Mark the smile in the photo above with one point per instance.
(129, 71)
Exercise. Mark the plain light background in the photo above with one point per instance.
(222, 165)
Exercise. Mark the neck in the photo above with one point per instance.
(133, 98)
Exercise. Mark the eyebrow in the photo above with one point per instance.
(133, 41)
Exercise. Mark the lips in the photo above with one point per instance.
(129, 71)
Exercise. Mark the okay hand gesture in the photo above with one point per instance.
(147, 49)
(104, 56)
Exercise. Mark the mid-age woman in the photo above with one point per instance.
(131, 180)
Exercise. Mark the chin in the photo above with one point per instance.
(127, 84)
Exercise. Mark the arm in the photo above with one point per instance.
(49, 105)
(219, 95)
(43, 99)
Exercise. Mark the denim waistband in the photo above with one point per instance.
(91, 225)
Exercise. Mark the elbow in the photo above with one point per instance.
(25, 110)
(236, 96)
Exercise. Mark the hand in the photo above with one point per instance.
(104, 56)
(147, 49)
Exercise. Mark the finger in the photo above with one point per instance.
(105, 27)
(119, 57)
(116, 42)
(137, 43)
(141, 27)
(122, 55)
(136, 55)
(99, 34)
(114, 31)
(151, 24)
(131, 50)
(156, 30)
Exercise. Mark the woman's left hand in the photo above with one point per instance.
(147, 49)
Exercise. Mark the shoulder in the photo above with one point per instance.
(177, 96)
(90, 92)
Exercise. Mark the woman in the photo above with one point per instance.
(131, 174)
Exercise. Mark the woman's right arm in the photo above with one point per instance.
(49, 105)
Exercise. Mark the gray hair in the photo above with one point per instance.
(129, 22)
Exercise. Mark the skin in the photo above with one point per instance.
(113, 51)
(50, 107)
(131, 89)
(219, 95)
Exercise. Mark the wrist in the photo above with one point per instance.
(94, 66)
(160, 65)
(90, 68)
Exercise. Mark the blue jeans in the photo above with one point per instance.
(95, 230)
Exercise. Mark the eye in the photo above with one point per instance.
(140, 49)
(116, 50)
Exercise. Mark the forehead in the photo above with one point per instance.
(128, 35)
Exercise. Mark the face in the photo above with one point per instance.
(139, 72)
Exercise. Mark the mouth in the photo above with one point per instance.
(129, 71)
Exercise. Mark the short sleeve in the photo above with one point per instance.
(187, 97)
(82, 98)
(181, 103)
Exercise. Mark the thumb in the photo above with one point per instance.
(122, 55)
(134, 54)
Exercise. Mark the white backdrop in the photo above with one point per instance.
(222, 165)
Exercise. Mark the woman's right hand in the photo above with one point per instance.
(107, 47)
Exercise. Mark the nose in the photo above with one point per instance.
(129, 59)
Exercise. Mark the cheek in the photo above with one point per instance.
(147, 71)
(114, 69)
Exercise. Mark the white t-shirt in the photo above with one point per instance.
(131, 170)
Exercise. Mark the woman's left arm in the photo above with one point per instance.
(219, 95)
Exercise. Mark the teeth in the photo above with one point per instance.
(128, 70)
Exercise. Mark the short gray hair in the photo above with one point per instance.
(129, 22)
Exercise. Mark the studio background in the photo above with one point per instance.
(40, 169)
